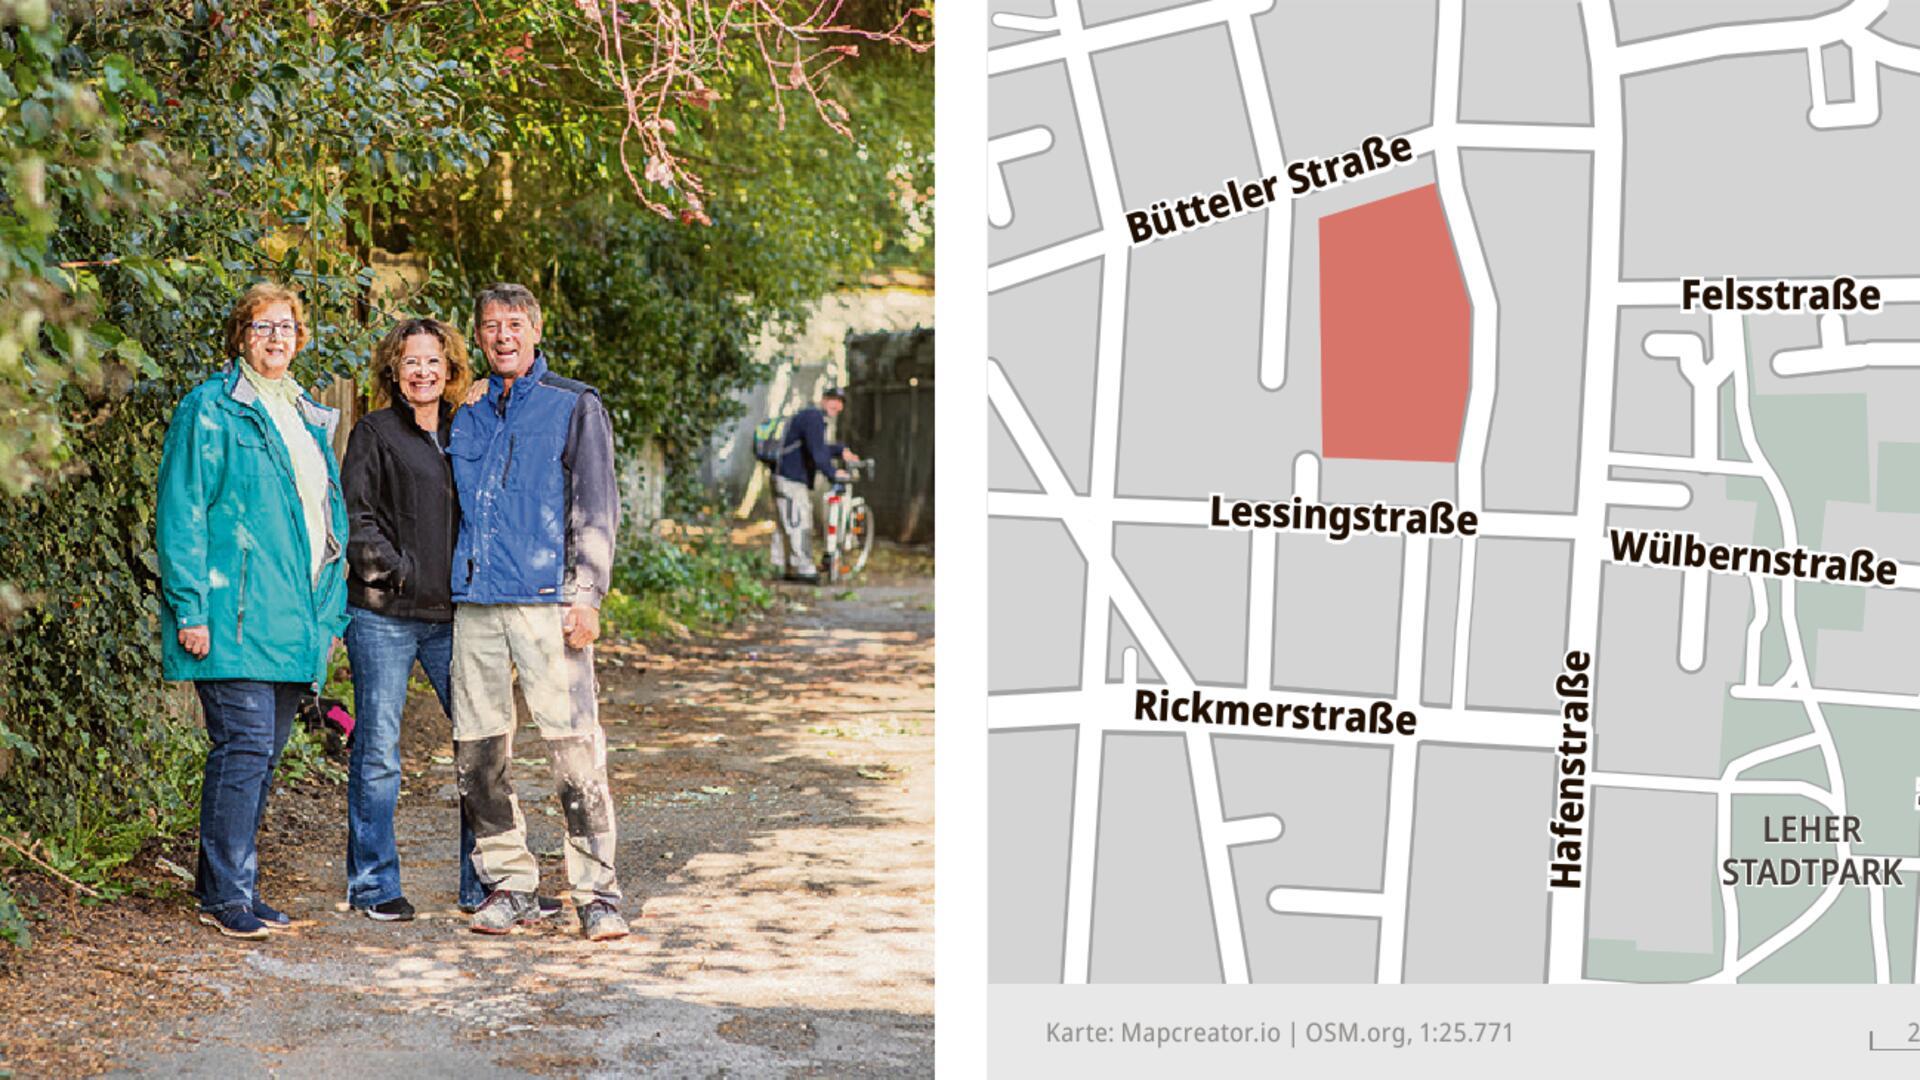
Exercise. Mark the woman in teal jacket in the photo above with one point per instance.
(252, 535)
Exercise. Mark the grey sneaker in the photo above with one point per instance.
(504, 910)
(549, 907)
(601, 921)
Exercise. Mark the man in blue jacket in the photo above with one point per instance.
(533, 465)
(804, 452)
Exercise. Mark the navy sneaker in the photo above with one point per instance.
(272, 918)
(236, 923)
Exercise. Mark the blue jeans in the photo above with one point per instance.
(248, 723)
(381, 650)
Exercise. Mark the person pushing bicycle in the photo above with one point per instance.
(804, 452)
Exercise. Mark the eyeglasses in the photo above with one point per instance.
(274, 329)
(414, 363)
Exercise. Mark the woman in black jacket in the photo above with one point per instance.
(404, 518)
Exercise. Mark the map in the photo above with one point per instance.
(1454, 491)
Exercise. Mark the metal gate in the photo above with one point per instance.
(889, 417)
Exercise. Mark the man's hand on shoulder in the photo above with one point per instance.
(580, 625)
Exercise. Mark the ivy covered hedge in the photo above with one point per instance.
(154, 159)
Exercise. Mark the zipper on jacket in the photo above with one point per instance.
(240, 618)
(508, 467)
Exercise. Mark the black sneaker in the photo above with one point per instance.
(269, 917)
(236, 923)
(504, 910)
(394, 910)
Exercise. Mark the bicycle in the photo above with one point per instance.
(849, 538)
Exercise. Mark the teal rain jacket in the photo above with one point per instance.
(234, 553)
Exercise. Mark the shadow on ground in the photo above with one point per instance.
(774, 793)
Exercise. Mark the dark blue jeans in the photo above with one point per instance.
(248, 723)
(382, 649)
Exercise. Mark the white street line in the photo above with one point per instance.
(1393, 920)
(1213, 851)
(1786, 35)
(1693, 617)
(1266, 145)
(1076, 41)
(1329, 902)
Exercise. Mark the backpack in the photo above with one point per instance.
(769, 440)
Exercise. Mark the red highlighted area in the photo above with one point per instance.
(1394, 323)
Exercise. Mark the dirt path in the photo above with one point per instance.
(775, 798)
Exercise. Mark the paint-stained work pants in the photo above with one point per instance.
(490, 641)
(793, 526)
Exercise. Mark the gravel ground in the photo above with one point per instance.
(774, 791)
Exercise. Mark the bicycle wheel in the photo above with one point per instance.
(835, 538)
(859, 536)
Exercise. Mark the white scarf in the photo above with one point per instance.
(309, 468)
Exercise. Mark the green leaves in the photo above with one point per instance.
(153, 165)
(36, 121)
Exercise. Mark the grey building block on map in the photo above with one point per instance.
(1758, 155)
(1524, 63)
(1232, 434)
(1891, 534)
(1719, 509)
(1331, 799)
(1517, 632)
(1893, 322)
(1769, 335)
(1045, 334)
(1901, 23)
(1532, 209)
(1650, 869)
(1836, 72)
(998, 36)
(1883, 655)
(1171, 145)
(1657, 717)
(1052, 191)
(1152, 916)
(1443, 610)
(1119, 639)
(1029, 839)
(1652, 401)
(1193, 580)
(1336, 613)
(1477, 888)
(1636, 20)
(1036, 596)
(1312, 49)
(1293, 947)
(1403, 483)
(1006, 469)
(1095, 12)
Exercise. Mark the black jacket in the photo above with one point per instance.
(402, 514)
